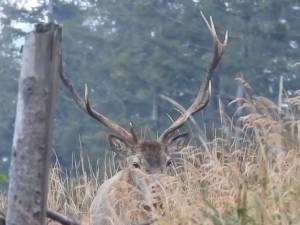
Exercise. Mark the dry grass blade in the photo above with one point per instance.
(257, 182)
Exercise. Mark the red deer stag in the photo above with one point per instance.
(146, 160)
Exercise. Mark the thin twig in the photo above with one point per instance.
(64, 220)
(53, 215)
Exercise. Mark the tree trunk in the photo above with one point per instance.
(32, 142)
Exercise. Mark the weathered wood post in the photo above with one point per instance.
(28, 186)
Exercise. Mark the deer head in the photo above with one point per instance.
(154, 156)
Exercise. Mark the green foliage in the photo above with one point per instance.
(3, 185)
(3, 178)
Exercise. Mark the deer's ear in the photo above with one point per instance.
(180, 141)
(119, 146)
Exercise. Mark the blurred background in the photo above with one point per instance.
(130, 52)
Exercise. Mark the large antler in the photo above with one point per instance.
(85, 105)
(203, 95)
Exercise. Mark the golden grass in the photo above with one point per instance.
(253, 181)
(221, 191)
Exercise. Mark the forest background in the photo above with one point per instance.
(130, 52)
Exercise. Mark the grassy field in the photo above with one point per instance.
(249, 174)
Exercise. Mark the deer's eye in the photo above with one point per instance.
(169, 162)
(136, 165)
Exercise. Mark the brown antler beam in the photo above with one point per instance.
(85, 105)
(203, 95)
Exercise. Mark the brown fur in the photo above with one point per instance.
(124, 199)
(129, 196)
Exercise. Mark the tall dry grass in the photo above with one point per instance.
(249, 175)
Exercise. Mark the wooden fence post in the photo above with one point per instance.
(32, 142)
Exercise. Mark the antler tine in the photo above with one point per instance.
(85, 105)
(217, 44)
(204, 92)
(132, 131)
